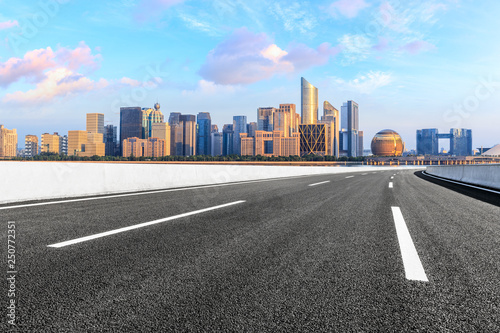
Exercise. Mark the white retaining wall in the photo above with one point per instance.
(22, 181)
(482, 174)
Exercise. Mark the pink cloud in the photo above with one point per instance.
(245, 57)
(418, 46)
(34, 63)
(8, 24)
(347, 8)
(57, 82)
(382, 45)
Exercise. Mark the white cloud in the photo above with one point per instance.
(347, 8)
(294, 17)
(365, 83)
(354, 48)
(210, 88)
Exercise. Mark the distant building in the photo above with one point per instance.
(293, 118)
(188, 123)
(309, 103)
(203, 139)
(427, 141)
(50, 143)
(215, 128)
(270, 144)
(332, 116)
(350, 125)
(387, 143)
(162, 131)
(227, 139)
(112, 148)
(8, 142)
(460, 141)
(251, 128)
(63, 144)
(95, 123)
(130, 122)
(76, 142)
(265, 119)
(360, 143)
(149, 117)
(31, 146)
(152, 147)
(313, 139)
(217, 140)
(239, 126)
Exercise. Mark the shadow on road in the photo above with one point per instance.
(478, 194)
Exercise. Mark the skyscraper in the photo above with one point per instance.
(427, 141)
(252, 127)
(76, 142)
(150, 117)
(332, 116)
(110, 140)
(95, 123)
(188, 123)
(350, 124)
(265, 119)
(162, 131)
(309, 103)
(460, 142)
(216, 138)
(227, 139)
(293, 117)
(239, 126)
(130, 123)
(203, 140)
(8, 142)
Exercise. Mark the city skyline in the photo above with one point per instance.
(409, 66)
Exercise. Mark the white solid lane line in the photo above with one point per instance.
(411, 261)
(391, 185)
(327, 181)
(363, 174)
(141, 225)
(349, 176)
(147, 192)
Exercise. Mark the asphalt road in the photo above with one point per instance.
(289, 258)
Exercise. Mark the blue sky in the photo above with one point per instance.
(409, 64)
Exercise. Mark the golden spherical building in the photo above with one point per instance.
(387, 143)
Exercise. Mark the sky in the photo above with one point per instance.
(408, 64)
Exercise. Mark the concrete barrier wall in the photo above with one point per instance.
(484, 174)
(22, 181)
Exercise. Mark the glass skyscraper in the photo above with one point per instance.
(239, 126)
(203, 140)
(350, 124)
(130, 123)
(227, 139)
(309, 103)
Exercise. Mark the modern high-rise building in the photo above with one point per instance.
(203, 139)
(50, 143)
(265, 119)
(294, 118)
(149, 117)
(309, 103)
(227, 139)
(31, 145)
(331, 116)
(112, 147)
(95, 123)
(350, 124)
(239, 126)
(130, 123)
(188, 123)
(8, 142)
(360, 143)
(162, 131)
(460, 141)
(282, 121)
(216, 138)
(215, 128)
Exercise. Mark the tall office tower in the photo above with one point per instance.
(111, 140)
(460, 142)
(215, 128)
(8, 142)
(360, 143)
(50, 143)
(332, 115)
(150, 117)
(95, 123)
(31, 145)
(239, 126)
(162, 131)
(130, 123)
(176, 134)
(227, 139)
(251, 128)
(350, 123)
(188, 122)
(281, 121)
(76, 142)
(247, 145)
(174, 118)
(294, 117)
(309, 103)
(203, 140)
(427, 141)
(63, 144)
(265, 119)
(216, 138)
